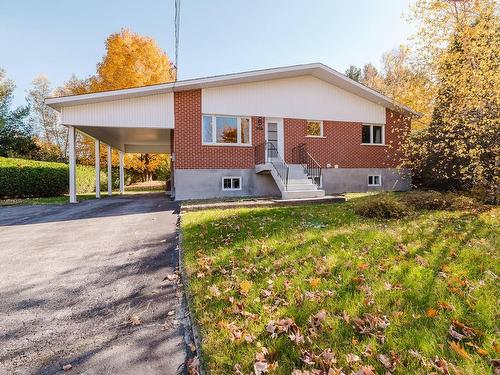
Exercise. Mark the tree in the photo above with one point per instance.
(146, 165)
(461, 147)
(16, 134)
(132, 60)
(406, 83)
(45, 119)
(353, 73)
(372, 78)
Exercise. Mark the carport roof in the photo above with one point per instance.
(317, 70)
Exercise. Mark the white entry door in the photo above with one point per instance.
(274, 134)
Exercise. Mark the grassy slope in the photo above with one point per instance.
(282, 249)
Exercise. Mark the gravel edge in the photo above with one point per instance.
(191, 328)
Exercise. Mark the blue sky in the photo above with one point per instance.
(62, 37)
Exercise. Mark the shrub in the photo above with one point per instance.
(28, 178)
(382, 206)
(22, 178)
(433, 200)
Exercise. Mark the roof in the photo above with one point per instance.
(317, 70)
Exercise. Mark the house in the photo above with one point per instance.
(296, 132)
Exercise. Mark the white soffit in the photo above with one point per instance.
(317, 70)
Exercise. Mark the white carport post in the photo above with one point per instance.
(72, 164)
(97, 168)
(122, 174)
(110, 174)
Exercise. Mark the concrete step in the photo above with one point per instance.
(300, 181)
(297, 194)
(299, 187)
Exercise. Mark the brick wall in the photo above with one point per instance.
(188, 148)
(341, 144)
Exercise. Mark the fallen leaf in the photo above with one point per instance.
(171, 277)
(193, 366)
(432, 313)
(421, 261)
(459, 350)
(366, 370)
(481, 352)
(214, 291)
(363, 266)
(134, 320)
(67, 367)
(352, 358)
(446, 306)
(245, 287)
(314, 282)
(455, 334)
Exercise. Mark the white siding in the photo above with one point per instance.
(152, 111)
(303, 97)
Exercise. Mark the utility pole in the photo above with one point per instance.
(177, 21)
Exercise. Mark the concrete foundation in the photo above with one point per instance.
(350, 180)
(207, 183)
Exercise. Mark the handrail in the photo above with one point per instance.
(269, 154)
(310, 165)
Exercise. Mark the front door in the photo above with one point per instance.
(274, 135)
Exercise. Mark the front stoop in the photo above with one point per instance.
(299, 186)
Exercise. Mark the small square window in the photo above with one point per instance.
(374, 180)
(231, 183)
(314, 128)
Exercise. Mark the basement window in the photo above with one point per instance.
(372, 134)
(231, 183)
(374, 180)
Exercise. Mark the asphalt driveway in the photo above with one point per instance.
(91, 285)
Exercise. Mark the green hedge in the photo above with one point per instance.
(28, 178)
(21, 178)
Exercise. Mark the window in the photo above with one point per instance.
(372, 134)
(374, 180)
(231, 183)
(314, 128)
(224, 130)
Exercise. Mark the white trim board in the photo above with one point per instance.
(317, 70)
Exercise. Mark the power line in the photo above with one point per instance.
(177, 21)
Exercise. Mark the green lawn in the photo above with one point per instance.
(319, 287)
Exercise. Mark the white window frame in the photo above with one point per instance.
(371, 135)
(320, 129)
(238, 131)
(231, 178)
(374, 175)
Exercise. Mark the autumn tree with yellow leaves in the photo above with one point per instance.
(459, 42)
(131, 60)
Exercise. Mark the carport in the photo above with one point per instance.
(137, 120)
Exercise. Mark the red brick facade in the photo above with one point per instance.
(190, 153)
(341, 144)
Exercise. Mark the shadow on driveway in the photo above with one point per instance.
(88, 285)
(88, 209)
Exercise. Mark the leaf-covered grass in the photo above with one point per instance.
(341, 278)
